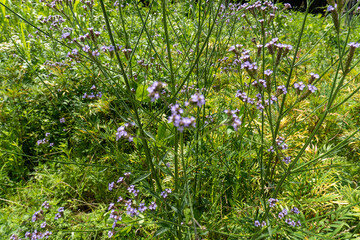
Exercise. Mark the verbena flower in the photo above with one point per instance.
(272, 202)
(111, 186)
(299, 86)
(257, 223)
(62, 120)
(155, 90)
(152, 206)
(287, 160)
(312, 88)
(295, 210)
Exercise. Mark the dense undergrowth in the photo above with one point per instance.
(182, 120)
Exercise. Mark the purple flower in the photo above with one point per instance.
(36, 216)
(354, 45)
(111, 233)
(111, 186)
(86, 48)
(163, 194)
(272, 202)
(295, 210)
(61, 209)
(312, 88)
(263, 224)
(57, 216)
(111, 206)
(282, 89)
(287, 160)
(47, 134)
(47, 234)
(299, 86)
(330, 8)
(152, 206)
(197, 99)
(65, 35)
(257, 223)
(43, 225)
(62, 120)
(121, 179)
(155, 90)
(95, 53)
(127, 174)
(14, 237)
(142, 207)
(120, 199)
(271, 149)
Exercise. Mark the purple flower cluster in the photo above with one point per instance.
(196, 99)
(165, 193)
(60, 213)
(289, 221)
(133, 208)
(124, 132)
(131, 189)
(45, 140)
(234, 120)
(272, 202)
(283, 213)
(155, 90)
(92, 95)
(178, 120)
(37, 235)
(287, 160)
(258, 224)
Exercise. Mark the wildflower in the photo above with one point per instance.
(47, 234)
(271, 149)
(120, 199)
(298, 223)
(142, 207)
(37, 215)
(111, 186)
(163, 194)
(295, 210)
(127, 174)
(353, 46)
(299, 86)
(234, 119)
(263, 82)
(155, 90)
(111, 233)
(95, 53)
(287, 160)
(197, 99)
(287, 6)
(257, 223)
(61, 209)
(62, 120)
(111, 206)
(152, 206)
(263, 224)
(272, 202)
(27, 235)
(281, 90)
(57, 216)
(313, 76)
(121, 179)
(14, 237)
(43, 225)
(123, 131)
(86, 48)
(312, 88)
